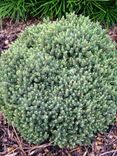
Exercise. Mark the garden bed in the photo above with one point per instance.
(12, 144)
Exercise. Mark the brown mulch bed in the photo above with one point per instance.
(12, 144)
(9, 31)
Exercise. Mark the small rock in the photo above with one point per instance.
(6, 42)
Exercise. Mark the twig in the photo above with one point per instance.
(85, 153)
(12, 151)
(37, 148)
(73, 150)
(113, 151)
(19, 142)
(114, 154)
(40, 147)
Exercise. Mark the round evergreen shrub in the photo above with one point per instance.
(58, 81)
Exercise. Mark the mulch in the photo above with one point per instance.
(9, 31)
(12, 144)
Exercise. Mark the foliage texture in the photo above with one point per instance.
(58, 81)
(105, 11)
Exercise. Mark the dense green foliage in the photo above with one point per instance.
(58, 81)
(104, 11)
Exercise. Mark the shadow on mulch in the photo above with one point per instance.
(12, 144)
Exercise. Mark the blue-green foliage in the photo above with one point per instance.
(58, 81)
(104, 11)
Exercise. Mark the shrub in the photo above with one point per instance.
(104, 11)
(58, 81)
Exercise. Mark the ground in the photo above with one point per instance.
(12, 144)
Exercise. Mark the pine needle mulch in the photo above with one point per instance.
(12, 144)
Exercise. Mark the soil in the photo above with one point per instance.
(9, 31)
(12, 144)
